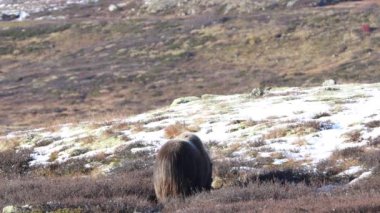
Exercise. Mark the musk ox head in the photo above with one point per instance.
(182, 168)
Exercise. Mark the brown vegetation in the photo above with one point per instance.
(96, 64)
(275, 190)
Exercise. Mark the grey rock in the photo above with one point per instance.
(330, 82)
(291, 3)
(258, 92)
(10, 209)
(113, 8)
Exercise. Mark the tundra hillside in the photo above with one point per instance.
(84, 61)
(90, 90)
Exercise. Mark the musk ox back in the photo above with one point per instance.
(182, 167)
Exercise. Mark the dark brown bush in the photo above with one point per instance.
(350, 152)
(72, 167)
(374, 142)
(373, 124)
(353, 136)
(322, 114)
(115, 193)
(370, 158)
(15, 162)
(275, 197)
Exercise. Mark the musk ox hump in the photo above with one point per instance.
(206, 166)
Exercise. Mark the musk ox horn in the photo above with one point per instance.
(182, 168)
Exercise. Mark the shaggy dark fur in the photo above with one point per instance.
(182, 167)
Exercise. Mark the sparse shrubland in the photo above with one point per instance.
(305, 149)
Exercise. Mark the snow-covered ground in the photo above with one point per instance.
(26, 7)
(299, 125)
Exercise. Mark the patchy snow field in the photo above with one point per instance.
(300, 126)
(33, 6)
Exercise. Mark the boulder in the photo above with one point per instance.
(113, 8)
(12, 209)
(258, 92)
(328, 83)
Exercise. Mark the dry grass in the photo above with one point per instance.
(257, 143)
(231, 149)
(123, 192)
(321, 115)
(53, 156)
(277, 133)
(178, 128)
(14, 163)
(300, 142)
(9, 144)
(342, 160)
(277, 155)
(354, 136)
(100, 157)
(303, 128)
(87, 140)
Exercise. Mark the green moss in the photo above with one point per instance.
(68, 210)
(6, 49)
(104, 143)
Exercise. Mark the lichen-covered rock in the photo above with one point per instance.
(217, 183)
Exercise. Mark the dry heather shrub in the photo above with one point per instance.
(322, 114)
(14, 162)
(300, 142)
(244, 123)
(71, 167)
(308, 127)
(257, 143)
(277, 155)
(87, 139)
(178, 128)
(277, 133)
(100, 157)
(370, 158)
(53, 156)
(373, 124)
(350, 152)
(341, 160)
(228, 152)
(353, 136)
(138, 127)
(9, 144)
(374, 142)
(329, 167)
(127, 192)
(302, 128)
(121, 126)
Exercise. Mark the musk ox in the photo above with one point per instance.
(182, 168)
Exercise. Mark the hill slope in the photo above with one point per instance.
(269, 147)
(85, 61)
